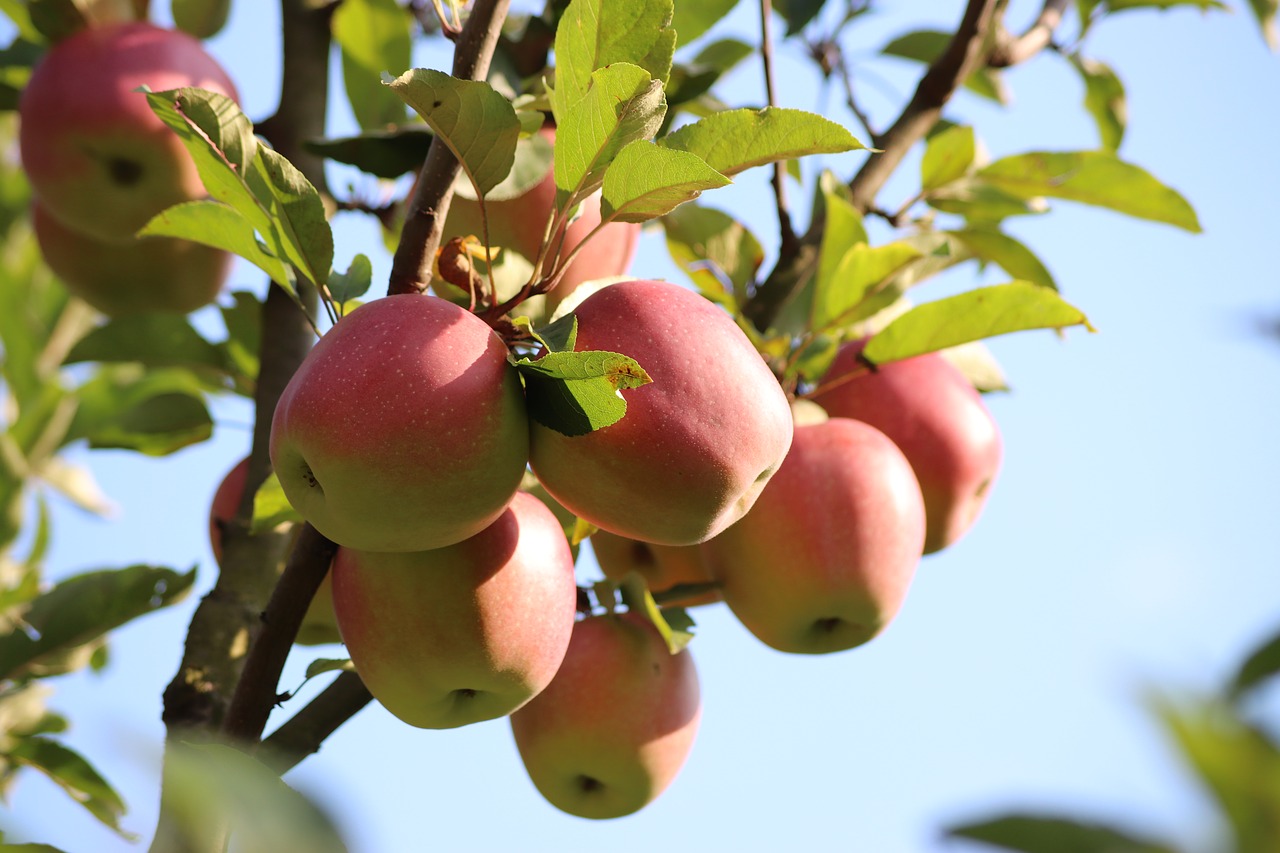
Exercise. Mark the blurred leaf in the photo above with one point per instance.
(979, 201)
(978, 365)
(1203, 5)
(1265, 11)
(673, 623)
(383, 153)
(354, 283)
(77, 484)
(947, 157)
(716, 250)
(646, 181)
(798, 13)
(374, 36)
(18, 13)
(1043, 834)
(297, 213)
(156, 340)
(1261, 665)
(271, 508)
(221, 226)
(970, 316)
(1104, 99)
(575, 393)
(151, 411)
(322, 665)
(723, 54)
(735, 140)
(594, 34)
(994, 246)
(1091, 177)
(71, 772)
(478, 124)
(927, 45)
(243, 320)
(691, 19)
(84, 607)
(861, 271)
(200, 18)
(56, 19)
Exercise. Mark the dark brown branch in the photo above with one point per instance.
(424, 220)
(786, 231)
(1009, 50)
(302, 734)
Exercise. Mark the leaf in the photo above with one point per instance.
(156, 340)
(994, 246)
(76, 483)
(271, 508)
(83, 608)
(735, 140)
(374, 36)
(624, 104)
(354, 283)
(723, 54)
(56, 19)
(1164, 5)
(970, 316)
(1265, 11)
(154, 411)
(221, 226)
(73, 774)
(478, 124)
(243, 320)
(692, 18)
(673, 623)
(322, 665)
(1091, 177)
(532, 164)
(947, 157)
(1261, 665)
(1104, 99)
(798, 13)
(226, 130)
(927, 45)
(382, 153)
(200, 18)
(297, 213)
(1045, 834)
(560, 335)
(978, 201)
(716, 250)
(978, 365)
(575, 393)
(646, 181)
(859, 274)
(593, 34)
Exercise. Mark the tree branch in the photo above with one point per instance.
(786, 232)
(424, 221)
(302, 734)
(1009, 51)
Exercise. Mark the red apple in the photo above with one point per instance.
(404, 429)
(661, 566)
(696, 445)
(931, 411)
(99, 160)
(823, 560)
(614, 727)
(461, 634)
(141, 275)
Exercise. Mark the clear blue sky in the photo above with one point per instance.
(1129, 541)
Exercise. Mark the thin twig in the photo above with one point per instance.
(786, 231)
(302, 734)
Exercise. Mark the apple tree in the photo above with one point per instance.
(788, 431)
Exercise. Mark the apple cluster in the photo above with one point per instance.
(101, 165)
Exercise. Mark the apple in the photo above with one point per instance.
(931, 411)
(148, 274)
(614, 727)
(461, 634)
(696, 445)
(319, 625)
(519, 224)
(661, 566)
(824, 559)
(404, 429)
(98, 159)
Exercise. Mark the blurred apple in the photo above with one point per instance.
(824, 559)
(98, 158)
(614, 727)
(662, 566)
(934, 414)
(696, 445)
(461, 634)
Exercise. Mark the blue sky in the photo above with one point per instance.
(1128, 542)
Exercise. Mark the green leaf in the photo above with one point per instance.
(19, 15)
(978, 201)
(624, 104)
(723, 54)
(858, 276)
(692, 18)
(971, 316)
(533, 159)
(1091, 177)
(374, 36)
(382, 153)
(1044, 834)
(717, 251)
(56, 19)
(1265, 11)
(200, 18)
(297, 212)
(77, 484)
(221, 226)
(243, 319)
(560, 335)
(593, 34)
(673, 623)
(947, 157)
(1104, 99)
(646, 181)
(927, 45)
(83, 608)
(354, 283)
(73, 774)
(994, 246)
(156, 340)
(735, 140)
(798, 13)
(271, 508)
(978, 365)
(575, 393)
(322, 665)
(1202, 5)
(151, 411)
(1261, 665)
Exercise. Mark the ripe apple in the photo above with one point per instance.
(519, 223)
(465, 633)
(661, 566)
(617, 722)
(404, 429)
(98, 159)
(696, 445)
(143, 275)
(319, 624)
(823, 560)
(934, 414)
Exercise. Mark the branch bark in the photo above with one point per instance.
(411, 266)
(1009, 50)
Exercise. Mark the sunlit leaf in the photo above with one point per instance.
(716, 250)
(354, 283)
(577, 392)
(593, 34)
(1104, 99)
(692, 19)
(156, 340)
(735, 140)
(861, 270)
(374, 36)
(994, 246)
(947, 157)
(1265, 11)
(646, 181)
(216, 224)
(271, 508)
(298, 214)
(532, 164)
